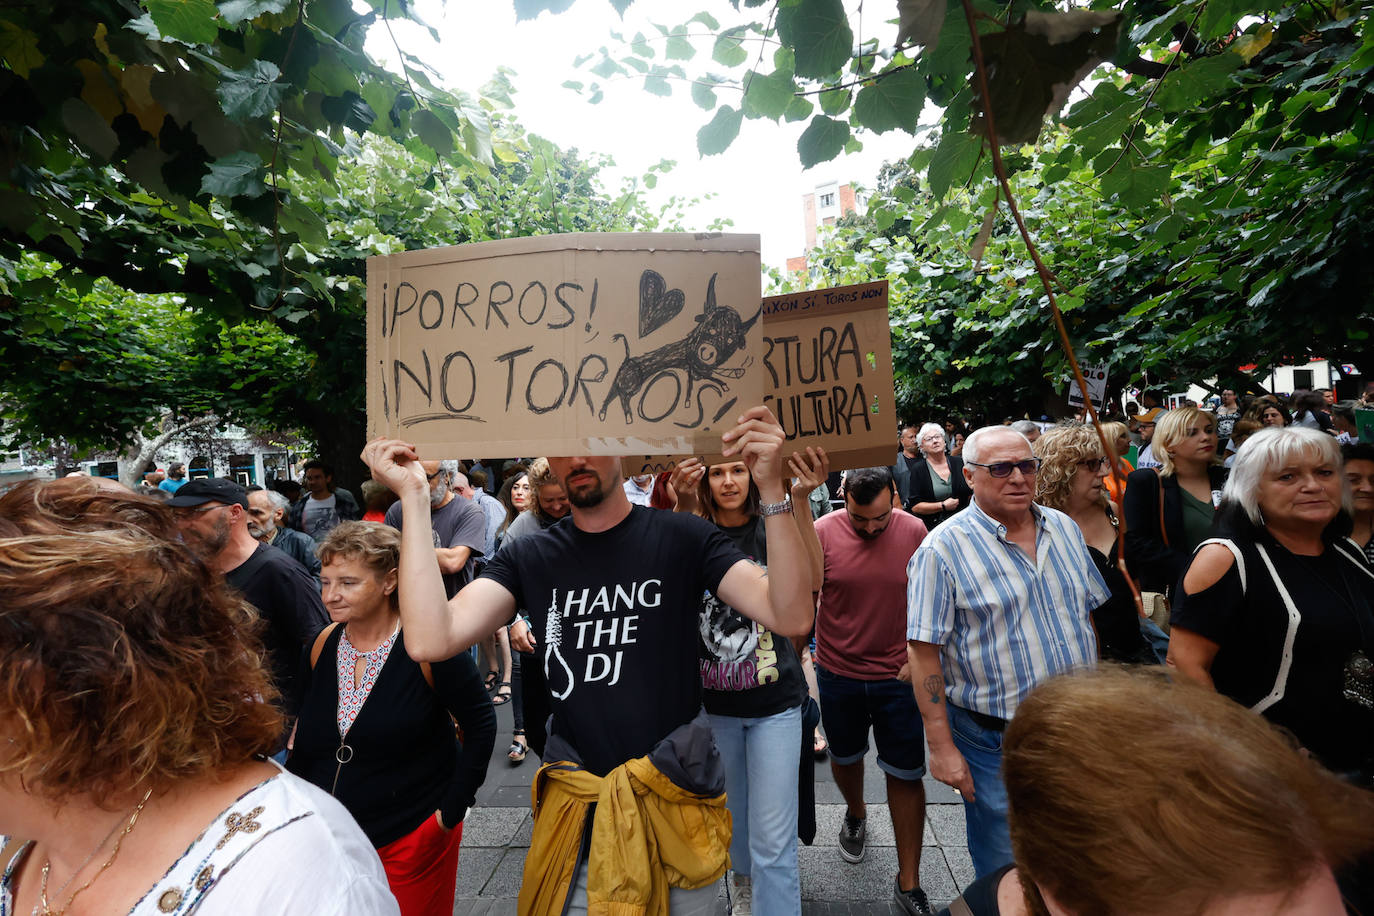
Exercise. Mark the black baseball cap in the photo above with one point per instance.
(209, 490)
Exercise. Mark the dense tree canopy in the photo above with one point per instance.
(189, 192)
(1200, 198)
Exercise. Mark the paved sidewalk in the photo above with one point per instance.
(497, 834)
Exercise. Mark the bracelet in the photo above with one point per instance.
(779, 508)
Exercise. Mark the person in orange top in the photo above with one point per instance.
(1116, 483)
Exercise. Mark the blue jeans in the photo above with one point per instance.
(989, 842)
(760, 758)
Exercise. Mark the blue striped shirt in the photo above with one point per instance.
(1004, 624)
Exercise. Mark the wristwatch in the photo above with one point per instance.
(784, 507)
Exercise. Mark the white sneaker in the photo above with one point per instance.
(739, 894)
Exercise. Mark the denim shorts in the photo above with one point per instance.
(849, 707)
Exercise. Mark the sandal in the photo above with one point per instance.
(490, 680)
(501, 699)
(518, 748)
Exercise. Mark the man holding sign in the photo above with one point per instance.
(614, 596)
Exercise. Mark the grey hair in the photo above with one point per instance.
(278, 500)
(1270, 449)
(925, 430)
(1024, 427)
(973, 444)
(448, 469)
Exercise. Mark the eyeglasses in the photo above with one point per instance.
(1000, 469)
(1093, 464)
(187, 513)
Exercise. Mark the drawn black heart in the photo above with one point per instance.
(658, 305)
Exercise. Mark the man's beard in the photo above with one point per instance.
(438, 495)
(585, 499)
(208, 546)
(870, 535)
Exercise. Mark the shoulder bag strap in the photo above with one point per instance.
(1163, 531)
(318, 647)
(959, 908)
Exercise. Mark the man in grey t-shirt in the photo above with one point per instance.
(459, 526)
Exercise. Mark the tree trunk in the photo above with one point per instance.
(142, 451)
(341, 437)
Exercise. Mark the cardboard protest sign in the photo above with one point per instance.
(827, 356)
(581, 344)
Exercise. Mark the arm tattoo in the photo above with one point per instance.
(935, 686)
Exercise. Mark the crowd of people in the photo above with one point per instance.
(1142, 656)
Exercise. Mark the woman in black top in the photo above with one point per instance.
(1072, 479)
(1279, 615)
(752, 684)
(376, 728)
(938, 488)
(1170, 512)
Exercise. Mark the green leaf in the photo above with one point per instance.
(818, 30)
(768, 95)
(348, 110)
(717, 135)
(235, 11)
(823, 140)
(893, 100)
(799, 109)
(1034, 65)
(432, 132)
(1219, 17)
(679, 48)
(607, 68)
(1197, 81)
(705, 19)
(657, 85)
(954, 161)
(1136, 186)
(834, 101)
(237, 174)
(19, 49)
(920, 21)
(728, 50)
(641, 46)
(191, 21)
(251, 93)
(704, 94)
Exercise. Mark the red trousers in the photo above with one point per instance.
(422, 868)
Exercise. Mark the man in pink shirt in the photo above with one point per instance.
(861, 667)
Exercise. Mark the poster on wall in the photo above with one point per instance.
(580, 344)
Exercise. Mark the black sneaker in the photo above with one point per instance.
(852, 833)
(913, 901)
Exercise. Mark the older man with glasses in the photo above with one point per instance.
(999, 598)
(212, 517)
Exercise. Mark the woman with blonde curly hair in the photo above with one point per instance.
(135, 716)
(376, 728)
(1072, 478)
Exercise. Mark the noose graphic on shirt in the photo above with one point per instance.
(553, 636)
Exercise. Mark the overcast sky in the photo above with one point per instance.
(758, 182)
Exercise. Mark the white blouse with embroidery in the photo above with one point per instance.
(284, 846)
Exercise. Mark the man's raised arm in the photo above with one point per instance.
(435, 628)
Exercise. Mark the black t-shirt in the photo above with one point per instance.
(1335, 601)
(288, 599)
(619, 648)
(746, 670)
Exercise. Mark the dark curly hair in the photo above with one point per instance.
(124, 660)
